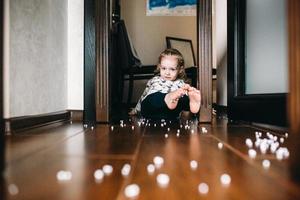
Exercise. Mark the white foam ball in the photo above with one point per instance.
(163, 180)
(13, 189)
(98, 174)
(220, 145)
(150, 168)
(249, 143)
(132, 191)
(193, 164)
(266, 164)
(64, 175)
(107, 169)
(158, 161)
(252, 153)
(225, 179)
(203, 188)
(125, 171)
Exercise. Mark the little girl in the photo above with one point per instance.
(167, 95)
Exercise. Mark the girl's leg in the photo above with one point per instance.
(153, 104)
(155, 107)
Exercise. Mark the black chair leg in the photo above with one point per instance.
(130, 90)
(194, 80)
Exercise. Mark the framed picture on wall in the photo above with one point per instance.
(171, 7)
(185, 47)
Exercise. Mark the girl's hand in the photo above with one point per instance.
(186, 87)
(132, 112)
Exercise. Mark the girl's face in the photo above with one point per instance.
(168, 68)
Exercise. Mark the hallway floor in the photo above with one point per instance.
(34, 158)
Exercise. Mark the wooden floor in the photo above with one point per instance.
(34, 157)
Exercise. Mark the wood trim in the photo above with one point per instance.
(261, 108)
(89, 115)
(76, 115)
(205, 58)
(294, 64)
(13, 125)
(2, 138)
(103, 27)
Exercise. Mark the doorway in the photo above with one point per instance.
(98, 60)
(148, 32)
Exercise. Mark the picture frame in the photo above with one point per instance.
(171, 8)
(185, 47)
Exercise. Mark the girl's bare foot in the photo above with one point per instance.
(195, 99)
(172, 98)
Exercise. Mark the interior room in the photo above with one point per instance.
(72, 70)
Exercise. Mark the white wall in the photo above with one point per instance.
(75, 54)
(221, 50)
(40, 74)
(148, 32)
(36, 73)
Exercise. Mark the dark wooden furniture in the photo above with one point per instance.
(130, 66)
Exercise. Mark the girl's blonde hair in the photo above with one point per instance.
(180, 61)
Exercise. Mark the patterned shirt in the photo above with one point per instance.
(158, 84)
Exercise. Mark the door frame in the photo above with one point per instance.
(261, 108)
(294, 65)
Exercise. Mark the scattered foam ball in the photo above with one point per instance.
(225, 179)
(98, 175)
(203, 188)
(132, 191)
(249, 143)
(107, 169)
(220, 145)
(252, 153)
(194, 164)
(64, 175)
(286, 135)
(163, 180)
(125, 171)
(266, 164)
(158, 161)
(150, 168)
(13, 189)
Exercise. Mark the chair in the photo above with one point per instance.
(130, 65)
(186, 49)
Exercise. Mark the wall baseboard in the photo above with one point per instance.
(76, 115)
(15, 124)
